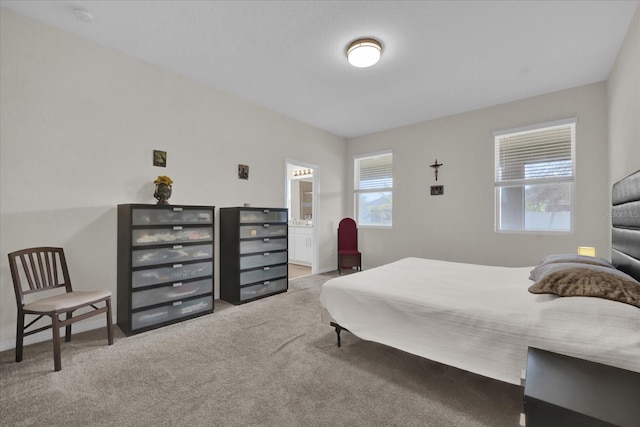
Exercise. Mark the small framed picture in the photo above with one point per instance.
(160, 158)
(243, 171)
(437, 190)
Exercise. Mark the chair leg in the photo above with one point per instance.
(19, 337)
(57, 363)
(109, 322)
(67, 329)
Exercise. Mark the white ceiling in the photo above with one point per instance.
(440, 57)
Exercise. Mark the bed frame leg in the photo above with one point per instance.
(338, 330)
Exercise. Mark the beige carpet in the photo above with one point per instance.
(267, 363)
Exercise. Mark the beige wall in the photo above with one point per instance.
(78, 125)
(623, 98)
(459, 226)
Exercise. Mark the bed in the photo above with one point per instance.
(483, 318)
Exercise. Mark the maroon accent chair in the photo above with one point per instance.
(348, 254)
(43, 270)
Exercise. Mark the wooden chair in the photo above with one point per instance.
(348, 254)
(44, 269)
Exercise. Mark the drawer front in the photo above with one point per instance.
(170, 274)
(267, 258)
(170, 236)
(265, 215)
(170, 293)
(264, 245)
(178, 309)
(265, 273)
(261, 289)
(264, 230)
(144, 257)
(171, 216)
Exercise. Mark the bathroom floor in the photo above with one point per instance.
(296, 270)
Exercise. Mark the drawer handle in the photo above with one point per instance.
(266, 225)
(177, 227)
(177, 209)
(265, 210)
(177, 303)
(266, 283)
(177, 265)
(266, 254)
(177, 247)
(266, 268)
(266, 239)
(177, 285)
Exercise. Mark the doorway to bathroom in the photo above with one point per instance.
(301, 190)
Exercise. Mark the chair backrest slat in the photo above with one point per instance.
(25, 268)
(46, 274)
(55, 267)
(38, 273)
(51, 270)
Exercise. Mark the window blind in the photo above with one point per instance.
(373, 172)
(544, 153)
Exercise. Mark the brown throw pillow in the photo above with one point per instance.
(590, 281)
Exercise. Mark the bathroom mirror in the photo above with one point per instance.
(302, 199)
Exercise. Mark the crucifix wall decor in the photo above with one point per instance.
(435, 167)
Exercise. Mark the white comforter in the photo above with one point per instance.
(479, 318)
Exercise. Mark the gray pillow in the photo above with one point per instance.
(574, 279)
(576, 258)
(568, 258)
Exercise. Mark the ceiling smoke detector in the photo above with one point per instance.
(83, 15)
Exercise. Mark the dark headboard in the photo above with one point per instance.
(625, 220)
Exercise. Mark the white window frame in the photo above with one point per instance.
(358, 191)
(522, 182)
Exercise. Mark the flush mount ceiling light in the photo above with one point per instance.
(364, 52)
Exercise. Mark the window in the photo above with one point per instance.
(373, 189)
(534, 178)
